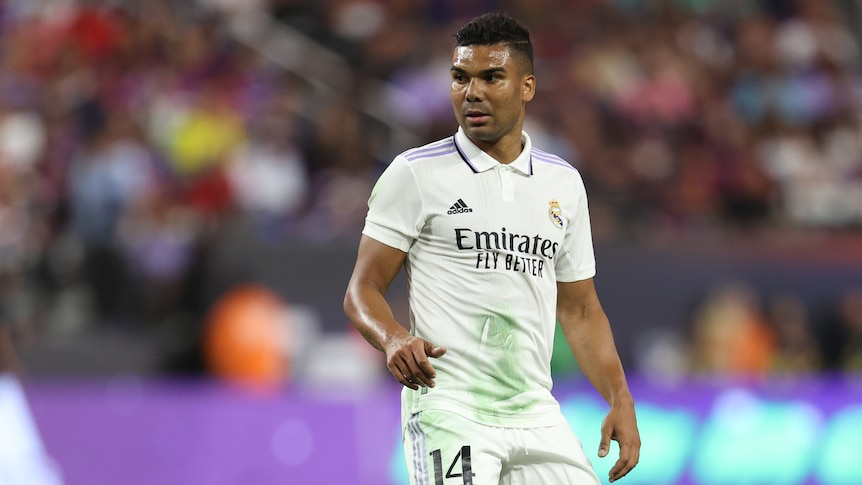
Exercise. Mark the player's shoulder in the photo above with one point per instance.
(435, 149)
(548, 160)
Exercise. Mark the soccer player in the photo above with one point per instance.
(495, 239)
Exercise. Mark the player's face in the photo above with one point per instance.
(490, 89)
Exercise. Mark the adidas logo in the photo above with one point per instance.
(459, 207)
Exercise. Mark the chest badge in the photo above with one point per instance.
(555, 213)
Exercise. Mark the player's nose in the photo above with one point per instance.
(473, 92)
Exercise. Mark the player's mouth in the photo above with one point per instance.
(476, 117)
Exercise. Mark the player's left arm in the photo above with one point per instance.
(588, 333)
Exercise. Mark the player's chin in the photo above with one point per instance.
(481, 132)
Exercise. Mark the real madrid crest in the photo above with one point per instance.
(555, 213)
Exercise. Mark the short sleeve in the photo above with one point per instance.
(395, 209)
(577, 260)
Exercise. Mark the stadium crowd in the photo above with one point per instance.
(130, 131)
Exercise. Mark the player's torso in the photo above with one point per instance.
(499, 220)
(483, 281)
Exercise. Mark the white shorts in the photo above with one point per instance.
(443, 448)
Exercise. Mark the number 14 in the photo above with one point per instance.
(466, 467)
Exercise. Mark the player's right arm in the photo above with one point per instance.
(365, 304)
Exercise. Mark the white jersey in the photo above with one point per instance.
(486, 244)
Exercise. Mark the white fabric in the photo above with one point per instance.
(482, 278)
(442, 447)
(23, 460)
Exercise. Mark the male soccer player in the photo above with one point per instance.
(495, 239)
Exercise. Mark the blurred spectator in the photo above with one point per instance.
(268, 173)
(110, 175)
(159, 238)
(798, 350)
(731, 335)
(344, 176)
(849, 319)
(205, 134)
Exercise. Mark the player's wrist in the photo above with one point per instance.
(622, 400)
(395, 338)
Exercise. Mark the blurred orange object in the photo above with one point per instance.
(732, 335)
(245, 337)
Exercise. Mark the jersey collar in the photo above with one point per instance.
(480, 161)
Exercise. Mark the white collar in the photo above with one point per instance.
(479, 161)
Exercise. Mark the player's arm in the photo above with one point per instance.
(589, 336)
(365, 304)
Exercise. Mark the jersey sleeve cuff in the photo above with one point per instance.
(386, 236)
(573, 276)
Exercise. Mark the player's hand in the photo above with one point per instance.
(621, 426)
(407, 360)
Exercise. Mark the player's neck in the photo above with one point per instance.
(505, 150)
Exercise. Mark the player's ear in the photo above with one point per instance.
(528, 87)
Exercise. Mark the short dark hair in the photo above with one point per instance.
(497, 28)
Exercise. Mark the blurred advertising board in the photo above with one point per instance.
(694, 431)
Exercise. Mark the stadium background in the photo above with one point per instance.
(182, 185)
